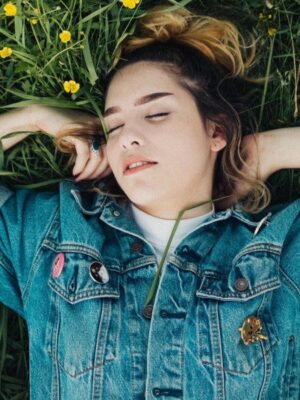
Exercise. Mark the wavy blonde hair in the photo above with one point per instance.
(209, 58)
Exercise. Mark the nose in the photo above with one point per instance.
(127, 145)
(130, 137)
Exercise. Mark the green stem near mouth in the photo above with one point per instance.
(158, 272)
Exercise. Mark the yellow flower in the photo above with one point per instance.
(10, 9)
(272, 31)
(36, 11)
(130, 3)
(71, 86)
(262, 16)
(34, 21)
(65, 36)
(5, 52)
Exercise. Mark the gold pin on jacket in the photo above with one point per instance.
(251, 330)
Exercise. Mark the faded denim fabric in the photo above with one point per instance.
(89, 340)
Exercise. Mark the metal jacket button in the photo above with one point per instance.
(116, 213)
(241, 284)
(98, 272)
(136, 246)
(148, 311)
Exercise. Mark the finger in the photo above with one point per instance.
(101, 172)
(97, 160)
(90, 166)
(83, 154)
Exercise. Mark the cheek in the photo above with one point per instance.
(189, 148)
(110, 155)
(113, 165)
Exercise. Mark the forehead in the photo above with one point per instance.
(138, 79)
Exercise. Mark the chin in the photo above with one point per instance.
(143, 193)
(143, 199)
(139, 199)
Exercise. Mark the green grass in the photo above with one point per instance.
(41, 63)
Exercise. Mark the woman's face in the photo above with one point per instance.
(183, 148)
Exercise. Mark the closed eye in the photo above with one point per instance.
(148, 116)
(157, 115)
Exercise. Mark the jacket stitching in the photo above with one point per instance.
(235, 371)
(4, 262)
(35, 264)
(266, 247)
(81, 372)
(290, 283)
(72, 247)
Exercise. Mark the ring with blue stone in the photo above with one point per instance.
(94, 147)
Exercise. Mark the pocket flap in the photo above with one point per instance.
(74, 282)
(252, 275)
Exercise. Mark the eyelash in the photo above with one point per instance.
(148, 116)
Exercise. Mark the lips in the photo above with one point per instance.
(134, 159)
(130, 171)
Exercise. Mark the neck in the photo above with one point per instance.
(171, 213)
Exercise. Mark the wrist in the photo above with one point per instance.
(30, 116)
(269, 162)
(281, 148)
(17, 120)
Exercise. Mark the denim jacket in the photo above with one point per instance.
(77, 268)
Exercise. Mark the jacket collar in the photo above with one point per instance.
(115, 212)
(93, 203)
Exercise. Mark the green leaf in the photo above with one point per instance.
(8, 173)
(25, 57)
(38, 184)
(10, 36)
(47, 101)
(18, 20)
(88, 57)
(97, 12)
(178, 4)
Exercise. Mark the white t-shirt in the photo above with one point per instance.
(157, 230)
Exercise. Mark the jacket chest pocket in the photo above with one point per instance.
(221, 345)
(84, 316)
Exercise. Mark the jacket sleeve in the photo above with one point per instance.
(25, 216)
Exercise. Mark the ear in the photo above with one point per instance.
(217, 134)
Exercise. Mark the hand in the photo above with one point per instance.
(89, 164)
(54, 121)
(254, 150)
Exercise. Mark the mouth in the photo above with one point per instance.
(130, 171)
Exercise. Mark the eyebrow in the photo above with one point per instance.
(140, 101)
